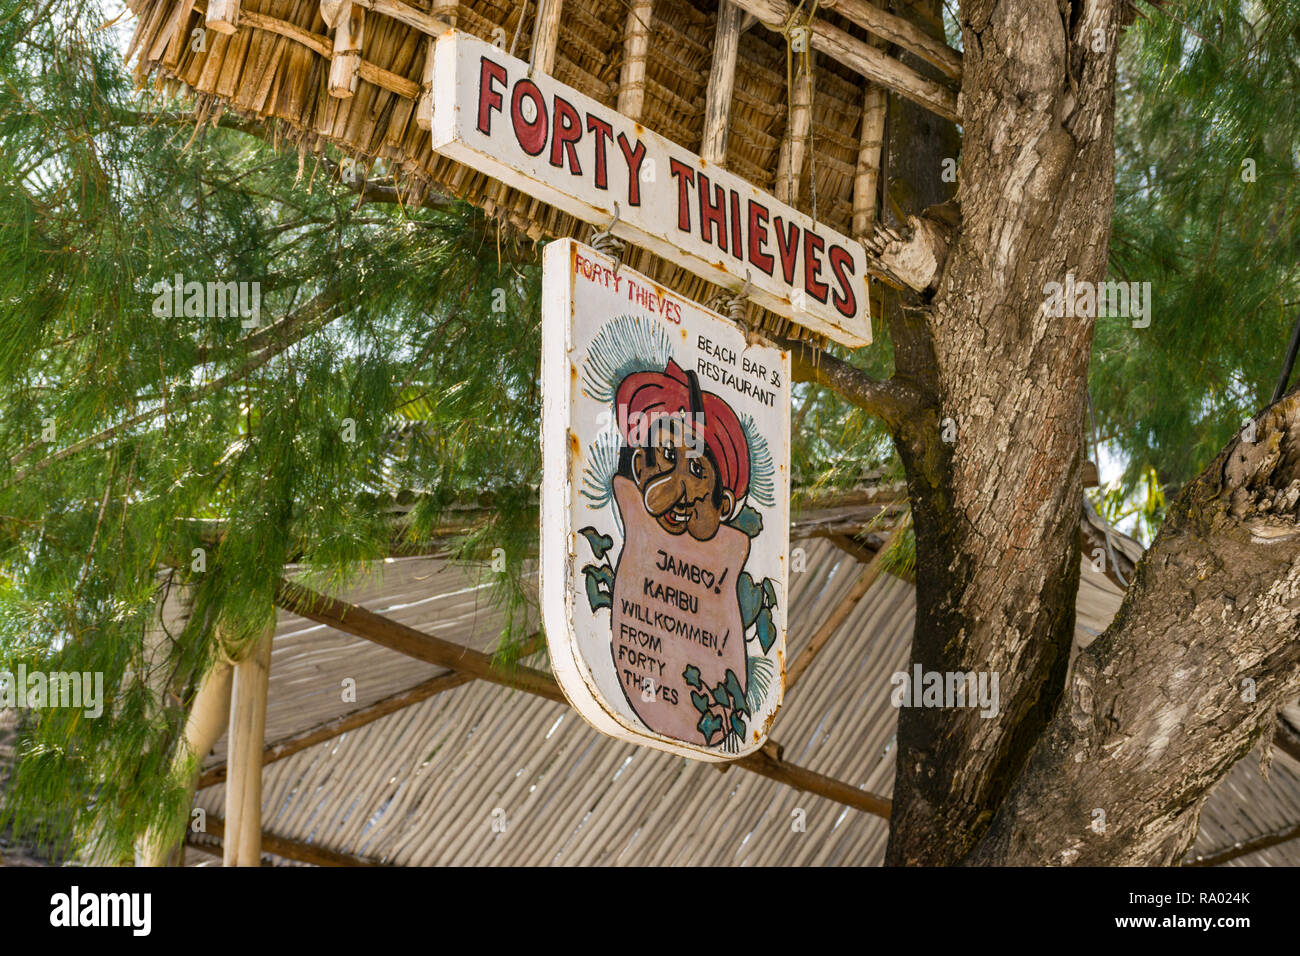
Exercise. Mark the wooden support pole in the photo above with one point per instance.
(896, 30)
(765, 764)
(289, 849)
(866, 578)
(352, 619)
(871, 143)
(860, 57)
(222, 16)
(722, 83)
(345, 64)
(794, 147)
(360, 717)
(245, 742)
(405, 13)
(424, 109)
(208, 719)
(1245, 848)
(546, 35)
(636, 46)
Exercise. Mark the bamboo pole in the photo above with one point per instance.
(352, 619)
(866, 578)
(871, 141)
(207, 721)
(722, 83)
(424, 110)
(345, 64)
(636, 46)
(546, 35)
(794, 146)
(338, 726)
(245, 742)
(860, 57)
(871, 145)
(222, 16)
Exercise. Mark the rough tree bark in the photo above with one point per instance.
(987, 407)
(996, 489)
(1186, 680)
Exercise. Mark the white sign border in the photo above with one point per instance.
(558, 553)
(721, 270)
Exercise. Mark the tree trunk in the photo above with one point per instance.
(994, 468)
(987, 409)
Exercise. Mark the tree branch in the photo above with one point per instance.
(893, 402)
(1187, 679)
(316, 313)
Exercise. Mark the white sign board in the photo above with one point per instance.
(534, 133)
(665, 510)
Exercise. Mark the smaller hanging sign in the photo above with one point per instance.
(493, 113)
(665, 510)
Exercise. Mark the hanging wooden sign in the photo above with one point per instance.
(523, 127)
(665, 510)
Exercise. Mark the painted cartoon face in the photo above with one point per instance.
(681, 489)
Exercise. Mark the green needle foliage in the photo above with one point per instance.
(394, 362)
(1206, 210)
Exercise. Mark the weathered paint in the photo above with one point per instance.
(496, 115)
(643, 552)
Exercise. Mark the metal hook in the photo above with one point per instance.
(605, 241)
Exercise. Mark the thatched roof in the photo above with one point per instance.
(275, 65)
(421, 785)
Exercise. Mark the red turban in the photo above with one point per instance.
(654, 394)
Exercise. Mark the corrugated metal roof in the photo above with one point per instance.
(487, 776)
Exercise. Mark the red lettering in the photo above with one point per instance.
(845, 301)
(568, 130)
(736, 245)
(531, 136)
(633, 158)
(488, 98)
(758, 236)
(813, 245)
(603, 132)
(787, 247)
(685, 177)
(713, 213)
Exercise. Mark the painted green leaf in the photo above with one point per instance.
(700, 701)
(709, 725)
(732, 684)
(598, 575)
(750, 597)
(749, 521)
(737, 725)
(692, 676)
(766, 630)
(720, 695)
(770, 592)
(600, 543)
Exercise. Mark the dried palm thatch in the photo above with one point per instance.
(352, 74)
